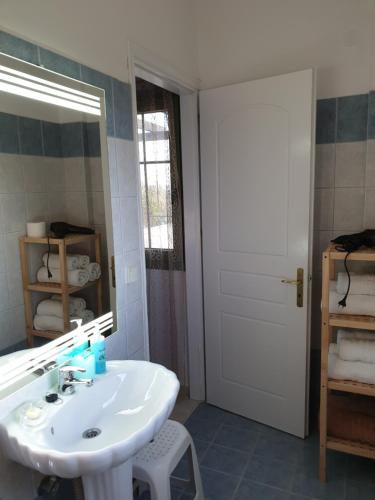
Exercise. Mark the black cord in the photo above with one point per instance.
(49, 251)
(342, 302)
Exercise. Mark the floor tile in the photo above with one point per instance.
(359, 490)
(280, 446)
(210, 412)
(218, 486)
(361, 469)
(225, 460)
(243, 423)
(248, 490)
(239, 439)
(202, 429)
(308, 484)
(271, 472)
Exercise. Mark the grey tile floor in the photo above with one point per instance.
(243, 460)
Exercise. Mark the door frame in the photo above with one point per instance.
(144, 64)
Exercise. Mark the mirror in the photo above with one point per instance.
(53, 168)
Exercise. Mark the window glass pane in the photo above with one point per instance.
(140, 137)
(156, 136)
(160, 205)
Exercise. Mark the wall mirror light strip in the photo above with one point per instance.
(19, 83)
(42, 356)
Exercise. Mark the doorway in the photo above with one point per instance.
(160, 164)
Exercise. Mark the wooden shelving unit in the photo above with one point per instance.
(330, 321)
(63, 288)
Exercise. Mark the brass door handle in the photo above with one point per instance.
(299, 284)
(291, 282)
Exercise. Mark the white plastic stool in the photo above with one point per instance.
(155, 463)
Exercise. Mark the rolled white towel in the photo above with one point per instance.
(354, 335)
(360, 284)
(72, 261)
(43, 322)
(94, 270)
(355, 304)
(350, 370)
(357, 350)
(87, 315)
(83, 260)
(51, 307)
(78, 304)
(333, 349)
(77, 277)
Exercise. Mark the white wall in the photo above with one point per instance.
(248, 39)
(96, 32)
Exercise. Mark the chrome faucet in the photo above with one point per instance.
(67, 381)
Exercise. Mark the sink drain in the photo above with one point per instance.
(91, 433)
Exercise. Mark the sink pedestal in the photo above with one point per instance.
(114, 484)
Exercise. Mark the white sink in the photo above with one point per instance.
(128, 404)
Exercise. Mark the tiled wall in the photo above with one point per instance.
(124, 190)
(345, 178)
(48, 171)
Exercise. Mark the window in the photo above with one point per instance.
(158, 115)
(155, 166)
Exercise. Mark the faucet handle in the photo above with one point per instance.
(70, 368)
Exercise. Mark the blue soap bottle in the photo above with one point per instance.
(98, 348)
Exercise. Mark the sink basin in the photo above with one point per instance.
(128, 405)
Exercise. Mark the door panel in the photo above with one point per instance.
(256, 171)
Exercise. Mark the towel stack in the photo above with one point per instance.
(361, 298)
(49, 313)
(79, 269)
(353, 356)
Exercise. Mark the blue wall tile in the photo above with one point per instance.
(19, 48)
(51, 139)
(59, 64)
(122, 110)
(72, 139)
(104, 82)
(8, 133)
(371, 116)
(91, 139)
(352, 114)
(326, 121)
(30, 135)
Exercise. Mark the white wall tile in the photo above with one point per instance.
(348, 210)
(350, 164)
(76, 208)
(12, 251)
(34, 171)
(126, 168)
(94, 174)
(113, 177)
(13, 212)
(369, 217)
(36, 207)
(55, 175)
(11, 174)
(324, 165)
(323, 209)
(129, 212)
(4, 294)
(134, 327)
(75, 174)
(133, 277)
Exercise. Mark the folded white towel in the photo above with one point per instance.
(87, 315)
(77, 277)
(78, 304)
(51, 307)
(350, 370)
(360, 284)
(94, 270)
(42, 322)
(83, 260)
(355, 304)
(357, 350)
(72, 261)
(354, 335)
(333, 348)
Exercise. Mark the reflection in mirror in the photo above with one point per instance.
(53, 167)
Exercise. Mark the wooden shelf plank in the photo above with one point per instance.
(57, 288)
(352, 387)
(47, 334)
(352, 321)
(363, 254)
(351, 447)
(70, 239)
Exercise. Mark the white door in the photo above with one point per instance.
(256, 150)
